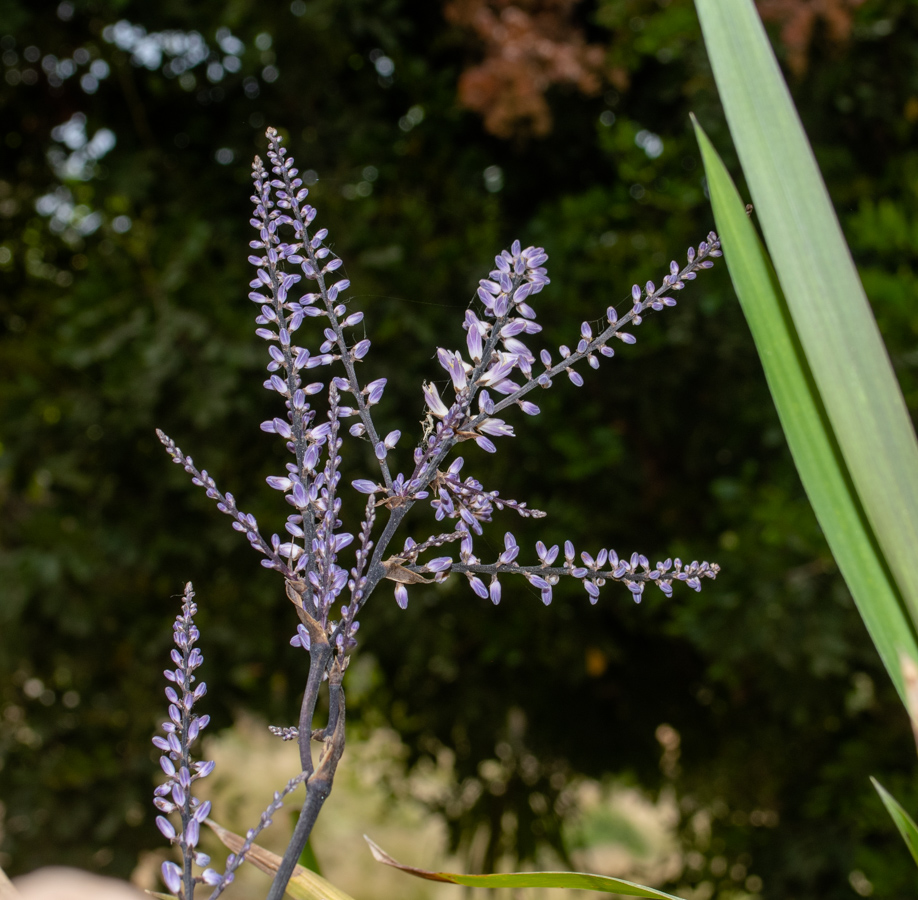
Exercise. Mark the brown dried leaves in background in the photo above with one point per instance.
(798, 19)
(530, 45)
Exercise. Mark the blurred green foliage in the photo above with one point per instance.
(768, 679)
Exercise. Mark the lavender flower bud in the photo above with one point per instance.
(375, 390)
(201, 813)
(478, 586)
(192, 833)
(494, 590)
(172, 876)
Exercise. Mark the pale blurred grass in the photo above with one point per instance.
(615, 831)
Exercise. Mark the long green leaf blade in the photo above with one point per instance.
(809, 434)
(578, 880)
(826, 300)
(903, 820)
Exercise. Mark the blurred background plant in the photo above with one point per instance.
(437, 133)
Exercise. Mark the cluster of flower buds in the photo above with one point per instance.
(174, 795)
(226, 503)
(497, 353)
(635, 572)
(181, 731)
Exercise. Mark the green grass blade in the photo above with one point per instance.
(809, 433)
(903, 820)
(833, 319)
(577, 880)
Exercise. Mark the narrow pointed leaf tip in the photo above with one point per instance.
(810, 435)
(903, 820)
(582, 881)
(825, 299)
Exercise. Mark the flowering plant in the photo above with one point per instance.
(498, 372)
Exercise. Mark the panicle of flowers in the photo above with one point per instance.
(295, 280)
(498, 354)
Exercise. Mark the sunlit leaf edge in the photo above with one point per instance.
(806, 425)
(572, 880)
(903, 820)
(834, 321)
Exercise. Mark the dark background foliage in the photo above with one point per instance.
(760, 701)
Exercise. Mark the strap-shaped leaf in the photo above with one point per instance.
(578, 880)
(807, 426)
(847, 362)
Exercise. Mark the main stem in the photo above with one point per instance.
(319, 784)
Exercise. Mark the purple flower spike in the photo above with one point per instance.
(293, 282)
(181, 732)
